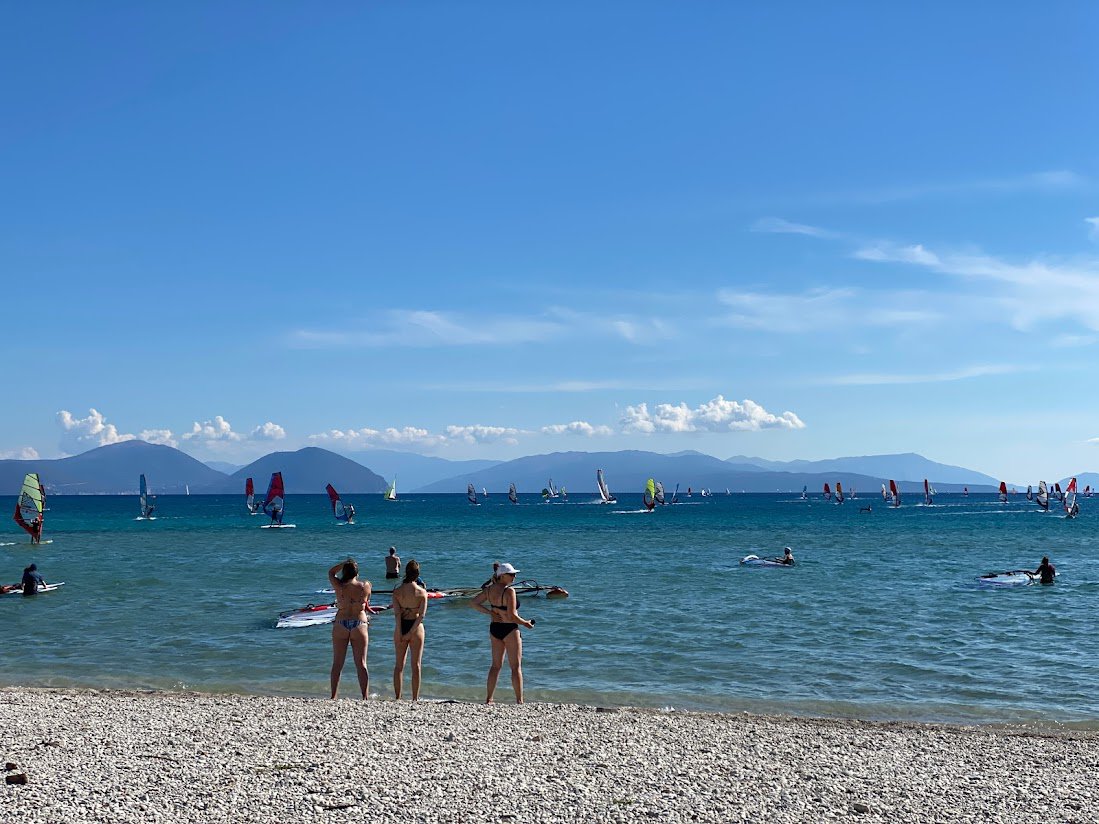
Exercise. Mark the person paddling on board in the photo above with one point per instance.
(32, 580)
(1046, 571)
(393, 564)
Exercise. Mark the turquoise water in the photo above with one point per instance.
(882, 617)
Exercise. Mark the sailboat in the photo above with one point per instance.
(274, 504)
(827, 492)
(513, 496)
(1003, 492)
(250, 497)
(1072, 509)
(1043, 496)
(928, 498)
(549, 491)
(605, 495)
(894, 493)
(390, 493)
(649, 498)
(659, 495)
(31, 507)
(340, 511)
(471, 495)
(147, 501)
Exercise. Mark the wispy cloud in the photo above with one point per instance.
(22, 453)
(884, 378)
(717, 415)
(826, 309)
(366, 437)
(777, 225)
(421, 328)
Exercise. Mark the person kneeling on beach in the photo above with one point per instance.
(350, 627)
(500, 603)
(409, 610)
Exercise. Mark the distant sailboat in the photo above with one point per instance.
(894, 494)
(660, 493)
(1043, 496)
(30, 509)
(471, 495)
(390, 493)
(1003, 492)
(340, 511)
(928, 498)
(250, 497)
(147, 502)
(605, 495)
(275, 502)
(827, 492)
(513, 496)
(649, 498)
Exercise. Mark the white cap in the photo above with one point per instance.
(507, 569)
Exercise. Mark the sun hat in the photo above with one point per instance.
(507, 569)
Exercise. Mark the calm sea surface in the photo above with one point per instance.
(882, 617)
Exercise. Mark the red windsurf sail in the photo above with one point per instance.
(275, 496)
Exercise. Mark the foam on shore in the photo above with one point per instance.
(183, 757)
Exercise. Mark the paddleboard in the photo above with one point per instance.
(139, 518)
(46, 588)
(279, 526)
(755, 560)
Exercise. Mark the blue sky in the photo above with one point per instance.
(488, 230)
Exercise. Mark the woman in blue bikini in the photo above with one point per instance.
(352, 606)
(499, 602)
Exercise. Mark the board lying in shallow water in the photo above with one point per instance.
(1014, 578)
(755, 560)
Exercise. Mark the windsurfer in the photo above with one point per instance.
(393, 564)
(350, 512)
(32, 580)
(1046, 571)
(36, 530)
(276, 516)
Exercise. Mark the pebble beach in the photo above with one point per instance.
(118, 756)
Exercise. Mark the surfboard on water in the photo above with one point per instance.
(41, 590)
(279, 526)
(755, 560)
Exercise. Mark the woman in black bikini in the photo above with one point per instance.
(500, 603)
(409, 610)
(352, 606)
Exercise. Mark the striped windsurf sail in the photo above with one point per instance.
(513, 496)
(827, 492)
(839, 492)
(659, 493)
(1043, 496)
(31, 505)
(893, 493)
(927, 497)
(604, 491)
(250, 495)
(338, 509)
(390, 493)
(471, 494)
(275, 500)
(1003, 492)
(650, 494)
(1070, 496)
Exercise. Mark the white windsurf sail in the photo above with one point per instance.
(1043, 496)
(390, 493)
(1071, 509)
(660, 493)
(604, 492)
(884, 494)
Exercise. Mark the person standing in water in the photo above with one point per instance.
(500, 603)
(1046, 571)
(393, 564)
(351, 624)
(32, 580)
(409, 611)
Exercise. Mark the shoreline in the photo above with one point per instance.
(131, 755)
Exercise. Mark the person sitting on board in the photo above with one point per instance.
(350, 626)
(32, 580)
(393, 564)
(1046, 571)
(409, 610)
(501, 604)
(787, 557)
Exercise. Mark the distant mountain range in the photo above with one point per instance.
(115, 469)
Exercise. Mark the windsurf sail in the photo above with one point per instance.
(338, 509)
(1057, 491)
(839, 492)
(804, 492)
(675, 495)
(513, 496)
(31, 506)
(471, 494)
(604, 492)
(551, 489)
(928, 500)
(484, 491)
(275, 501)
(688, 492)
(650, 494)
(660, 493)
(563, 493)
(1029, 492)
(1070, 496)
(965, 491)
(1087, 491)
(884, 494)
(546, 493)
(250, 495)
(1003, 492)
(827, 492)
(148, 502)
(1043, 496)
(894, 494)
(390, 493)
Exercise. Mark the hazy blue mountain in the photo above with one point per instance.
(414, 471)
(223, 467)
(627, 471)
(1082, 479)
(904, 467)
(115, 469)
(308, 471)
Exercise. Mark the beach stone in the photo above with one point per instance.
(11, 765)
(860, 808)
(16, 778)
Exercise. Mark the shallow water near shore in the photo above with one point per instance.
(882, 618)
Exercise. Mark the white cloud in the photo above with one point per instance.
(826, 309)
(81, 434)
(717, 415)
(477, 433)
(22, 453)
(577, 428)
(898, 254)
(885, 379)
(268, 432)
(218, 429)
(427, 328)
(777, 225)
(365, 437)
(158, 436)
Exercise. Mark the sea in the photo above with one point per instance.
(883, 617)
